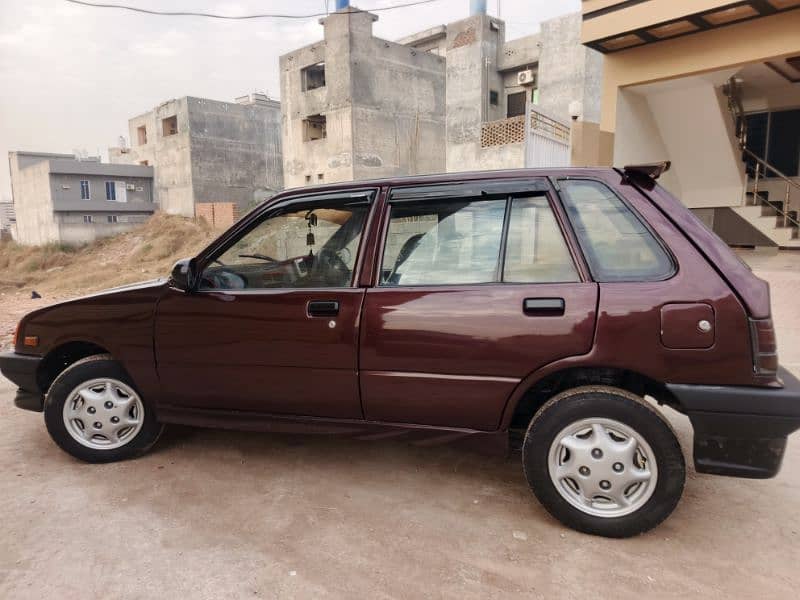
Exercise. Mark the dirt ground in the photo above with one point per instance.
(212, 514)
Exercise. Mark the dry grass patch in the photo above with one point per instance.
(143, 253)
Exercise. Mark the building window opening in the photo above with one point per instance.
(169, 126)
(774, 137)
(141, 135)
(320, 177)
(314, 128)
(313, 77)
(111, 190)
(85, 195)
(308, 179)
(112, 218)
(87, 218)
(494, 97)
(515, 104)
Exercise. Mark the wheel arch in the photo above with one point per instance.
(534, 392)
(62, 356)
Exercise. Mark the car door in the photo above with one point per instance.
(476, 288)
(273, 324)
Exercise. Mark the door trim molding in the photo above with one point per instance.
(446, 376)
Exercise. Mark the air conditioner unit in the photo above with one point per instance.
(526, 77)
(130, 187)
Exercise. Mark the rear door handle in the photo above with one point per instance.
(543, 307)
(323, 308)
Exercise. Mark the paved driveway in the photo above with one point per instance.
(213, 514)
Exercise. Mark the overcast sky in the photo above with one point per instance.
(71, 76)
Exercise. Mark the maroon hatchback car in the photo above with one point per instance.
(553, 308)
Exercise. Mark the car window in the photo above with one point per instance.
(536, 251)
(617, 245)
(309, 247)
(443, 243)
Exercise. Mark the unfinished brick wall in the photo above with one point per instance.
(220, 215)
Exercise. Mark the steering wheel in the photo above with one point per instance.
(222, 279)
(331, 269)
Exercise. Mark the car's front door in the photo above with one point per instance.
(273, 324)
(477, 288)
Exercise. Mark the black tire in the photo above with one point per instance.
(95, 367)
(604, 402)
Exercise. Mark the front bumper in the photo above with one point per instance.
(22, 369)
(738, 430)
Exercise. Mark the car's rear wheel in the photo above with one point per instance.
(603, 461)
(94, 412)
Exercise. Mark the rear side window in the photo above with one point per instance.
(443, 243)
(459, 242)
(617, 245)
(536, 251)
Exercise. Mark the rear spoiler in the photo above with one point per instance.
(650, 170)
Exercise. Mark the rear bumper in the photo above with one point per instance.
(738, 430)
(21, 369)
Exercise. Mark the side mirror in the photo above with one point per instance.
(183, 275)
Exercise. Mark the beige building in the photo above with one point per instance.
(680, 79)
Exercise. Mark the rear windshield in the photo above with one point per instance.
(616, 243)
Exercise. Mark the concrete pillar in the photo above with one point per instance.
(472, 56)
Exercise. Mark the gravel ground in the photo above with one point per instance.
(212, 514)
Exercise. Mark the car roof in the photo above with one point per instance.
(446, 178)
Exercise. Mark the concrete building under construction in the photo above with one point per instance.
(450, 98)
(208, 152)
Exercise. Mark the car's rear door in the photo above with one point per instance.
(273, 327)
(475, 287)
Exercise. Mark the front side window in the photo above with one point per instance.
(111, 190)
(313, 247)
(85, 189)
(617, 245)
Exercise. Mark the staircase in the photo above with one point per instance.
(771, 219)
(776, 219)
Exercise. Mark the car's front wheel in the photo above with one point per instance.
(94, 412)
(603, 461)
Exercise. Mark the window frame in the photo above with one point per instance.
(627, 204)
(88, 189)
(769, 114)
(476, 191)
(352, 197)
(508, 103)
(113, 189)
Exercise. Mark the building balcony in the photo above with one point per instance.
(512, 130)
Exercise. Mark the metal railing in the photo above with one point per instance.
(541, 123)
(732, 91)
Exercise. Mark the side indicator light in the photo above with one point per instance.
(31, 340)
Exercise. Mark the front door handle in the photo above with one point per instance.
(323, 308)
(543, 307)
